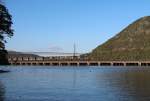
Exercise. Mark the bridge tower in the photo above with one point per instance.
(74, 51)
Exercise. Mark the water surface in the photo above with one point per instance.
(75, 84)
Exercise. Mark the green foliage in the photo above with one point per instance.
(131, 44)
(5, 31)
(5, 25)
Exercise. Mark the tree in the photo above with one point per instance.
(5, 31)
(5, 25)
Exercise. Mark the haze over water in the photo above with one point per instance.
(75, 84)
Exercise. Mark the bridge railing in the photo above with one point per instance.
(46, 59)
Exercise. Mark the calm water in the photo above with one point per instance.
(75, 84)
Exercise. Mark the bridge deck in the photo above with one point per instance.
(80, 63)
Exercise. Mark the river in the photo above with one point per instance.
(43, 83)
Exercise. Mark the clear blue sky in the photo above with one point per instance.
(55, 25)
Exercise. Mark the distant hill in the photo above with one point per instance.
(20, 54)
(131, 44)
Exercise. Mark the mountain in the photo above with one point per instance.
(20, 54)
(131, 44)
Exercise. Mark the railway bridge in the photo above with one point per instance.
(72, 62)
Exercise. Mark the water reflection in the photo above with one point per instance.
(74, 78)
(2, 92)
(127, 86)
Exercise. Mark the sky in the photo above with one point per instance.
(56, 25)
